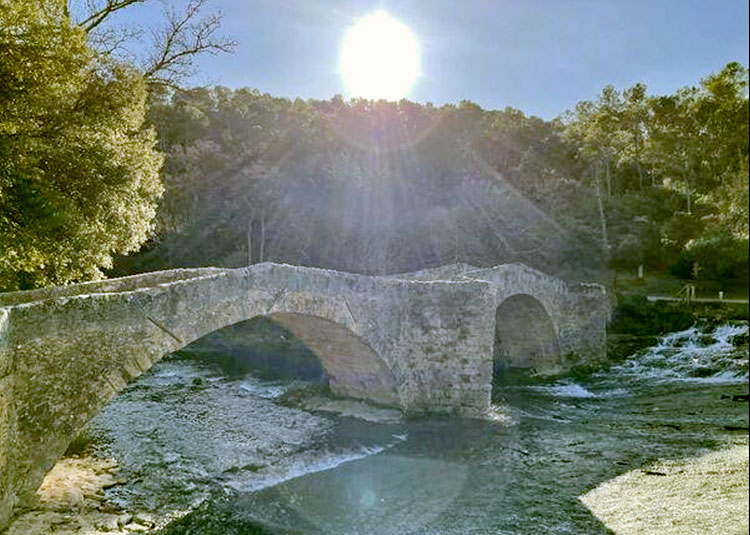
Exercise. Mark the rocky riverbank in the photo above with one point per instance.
(72, 502)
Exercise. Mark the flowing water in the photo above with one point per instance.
(215, 453)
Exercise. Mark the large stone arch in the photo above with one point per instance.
(75, 354)
(525, 337)
(353, 369)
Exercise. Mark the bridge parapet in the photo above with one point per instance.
(588, 289)
(121, 284)
(7, 420)
(446, 272)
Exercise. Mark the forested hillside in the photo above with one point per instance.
(380, 187)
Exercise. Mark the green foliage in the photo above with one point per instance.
(700, 134)
(83, 444)
(629, 253)
(732, 201)
(671, 174)
(634, 314)
(78, 173)
(718, 257)
(367, 186)
(375, 186)
(362, 186)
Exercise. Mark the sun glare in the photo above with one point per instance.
(379, 58)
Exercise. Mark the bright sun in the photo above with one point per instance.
(379, 58)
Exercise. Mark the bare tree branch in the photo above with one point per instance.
(99, 13)
(175, 44)
(113, 41)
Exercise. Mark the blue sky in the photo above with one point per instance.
(541, 56)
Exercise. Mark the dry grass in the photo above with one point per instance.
(703, 495)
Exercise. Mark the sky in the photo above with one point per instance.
(540, 56)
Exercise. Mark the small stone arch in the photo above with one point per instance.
(525, 337)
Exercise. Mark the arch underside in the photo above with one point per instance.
(525, 337)
(261, 347)
(354, 369)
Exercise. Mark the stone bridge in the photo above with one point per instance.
(424, 341)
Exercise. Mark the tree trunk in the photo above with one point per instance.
(250, 241)
(602, 217)
(640, 175)
(262, 235)
(638, 161)
(686, 178)
(609, 179)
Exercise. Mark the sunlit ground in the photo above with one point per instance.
(702, 495)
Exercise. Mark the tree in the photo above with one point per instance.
(699, 136)
(628, 254)
(593, 129)
(635, 119)
(677, 140)
(78, 173)
(171, 46)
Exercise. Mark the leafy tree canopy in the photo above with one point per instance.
(79, 175)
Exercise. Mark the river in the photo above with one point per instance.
(211, 452)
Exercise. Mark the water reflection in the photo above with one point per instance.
(381, 494)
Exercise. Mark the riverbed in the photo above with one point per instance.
(204, 451)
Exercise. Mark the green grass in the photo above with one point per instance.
(83, 443)
(666, 284)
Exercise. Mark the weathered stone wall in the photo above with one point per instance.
(583, 331)
(412, 341)
(121, 284)
(7, 421)
(415, 344)
(579, 313)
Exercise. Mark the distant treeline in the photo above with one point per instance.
(382, 187)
